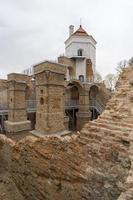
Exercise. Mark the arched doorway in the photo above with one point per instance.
(93, 92)
(72, 103)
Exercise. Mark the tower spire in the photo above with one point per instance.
(80, 22)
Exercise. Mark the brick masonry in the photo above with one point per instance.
(17, 116)
(50, 97)
(95, 163)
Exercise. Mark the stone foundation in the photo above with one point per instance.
(14, 127)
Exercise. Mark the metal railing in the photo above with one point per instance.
(4, 106)
(97, 105)
(70, 103)
(31, 105)
(77, 56)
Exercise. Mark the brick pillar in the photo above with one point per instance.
(50, 97)
(17, 115)
(84, 114)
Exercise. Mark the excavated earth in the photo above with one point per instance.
(93, 164)
(8, 189)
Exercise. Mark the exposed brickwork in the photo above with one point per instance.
(3, 84)
(84, 114)
(17, 116)
(66, 61)
(8, 190)
(70, 63)
(91, 165)
(50, 97)
(89, 71)
(104, 93)
(3, 93)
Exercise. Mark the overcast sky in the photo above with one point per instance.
(35, 30)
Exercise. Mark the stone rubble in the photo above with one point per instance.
(93, 164)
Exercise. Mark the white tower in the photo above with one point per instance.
(80, 46)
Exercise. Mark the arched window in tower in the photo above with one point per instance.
(80, 52)
(81, 78)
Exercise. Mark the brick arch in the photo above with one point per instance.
(76, 83)
(73, 90)
(93, 91)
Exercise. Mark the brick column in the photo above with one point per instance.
(17, 115)
(50, 97)
(84, 114)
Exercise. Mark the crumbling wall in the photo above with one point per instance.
(6, 146)
(3, 94)
(94, 164)
(104, 94)
(8, 189)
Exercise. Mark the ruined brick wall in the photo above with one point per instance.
(17, 115)
(30, 83)
(91, 165)
(50, 97)
(104, 94)
(66, 61)
(3, 94)
(89, 70)
(6, 146)
(70, 63)
(30, 89)
(8, 189)
(3, 84)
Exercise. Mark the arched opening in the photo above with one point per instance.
(81, 78)
(74, 93)
(72, 104)
(80, 52)
(94, 90)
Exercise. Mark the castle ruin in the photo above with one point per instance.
(65, 91)
(91, 161)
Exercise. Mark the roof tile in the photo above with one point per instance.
(80, 32)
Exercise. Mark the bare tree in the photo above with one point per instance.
(97, 77)
(110, 81)
(130, 61)
(121, 66)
